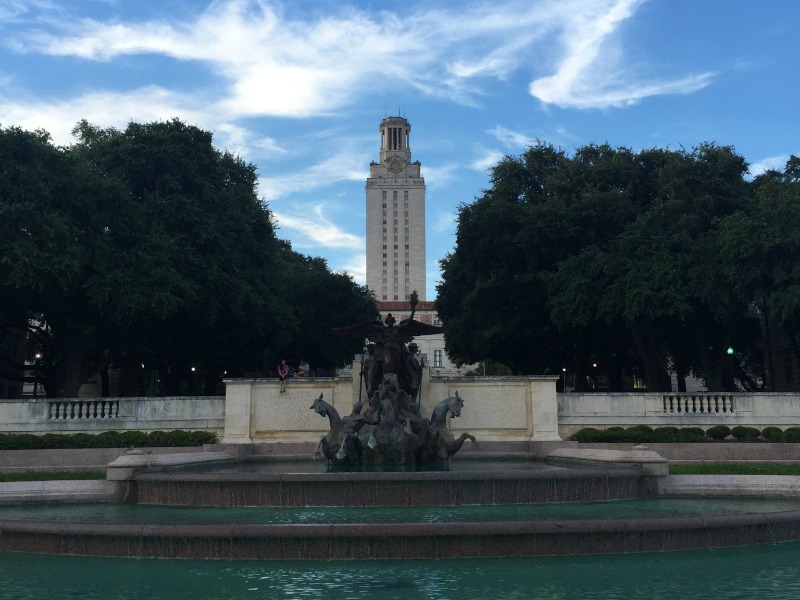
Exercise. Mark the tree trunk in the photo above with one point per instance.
(655, 377)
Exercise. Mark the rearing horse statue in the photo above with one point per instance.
(444, 443)
(340, 445)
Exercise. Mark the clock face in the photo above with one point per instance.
(395, 165)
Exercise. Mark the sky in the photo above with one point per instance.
(299, 88)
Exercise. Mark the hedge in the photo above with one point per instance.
(107, 439)
(641, 434)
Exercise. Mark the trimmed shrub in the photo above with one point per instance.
(641, 433)
(133, 439)
(792, 435)
(587, 435)
(158, 439)
(666, 434)
(107, 439)
(26, 441)
(198, 438)
(718, 432)
(645, 428)
(772, 434)
(692, 435)
(745, 434)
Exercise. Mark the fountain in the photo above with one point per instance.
(385, 456)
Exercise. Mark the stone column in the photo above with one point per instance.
(238, 399)
(544, 409)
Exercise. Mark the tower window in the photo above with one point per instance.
(437, 358)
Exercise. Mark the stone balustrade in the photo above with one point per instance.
(70, 410)
(698, 403)
(495, 409)
(95, 415)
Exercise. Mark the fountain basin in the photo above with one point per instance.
(399, 540)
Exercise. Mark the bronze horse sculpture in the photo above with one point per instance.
(445, 443)
(341, 444)
(380, 437)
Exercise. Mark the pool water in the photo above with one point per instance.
(613, 509)
(764, 572)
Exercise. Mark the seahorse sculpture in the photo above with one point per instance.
(341, 444)
(443, 443)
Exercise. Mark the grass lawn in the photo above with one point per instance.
(754, 468)
(51, 475)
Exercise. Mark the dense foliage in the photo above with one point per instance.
(642, 264)
(107, 439)
(149, 250)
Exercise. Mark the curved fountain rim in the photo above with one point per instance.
(494, 474)
(401, 540)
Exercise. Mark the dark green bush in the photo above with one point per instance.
(667, 435)
(587, 435)
(158, 439)
(772, 434)
(107, 439)
(55, 440)
(641, 434)
(133, 439)
(692, 435)
(645, 428)
(26, 441)
(792, 435)
(86, 440)
(745, 434)
(718, 432)
(198, 438)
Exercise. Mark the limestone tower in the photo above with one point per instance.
(395, 217)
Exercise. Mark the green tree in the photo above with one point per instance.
(150, 248)
(608, 258)
(760, 246)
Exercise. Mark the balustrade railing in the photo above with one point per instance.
(699, 403)
(82, 410)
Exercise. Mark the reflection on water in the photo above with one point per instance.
(764, 572)
(662, 507)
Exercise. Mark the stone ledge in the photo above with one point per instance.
(732, 485)
(134, 461)
(649, 462)
(57, 491)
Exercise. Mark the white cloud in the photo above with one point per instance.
(356, 266)
(777, 163)
(488, 159)
(342, 166)
(444, 222)
(106, 109)
(317, 229)
(589, 73)
(511, 139)
(439, 176)
(282, 65)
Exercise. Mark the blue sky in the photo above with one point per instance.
(299, 87)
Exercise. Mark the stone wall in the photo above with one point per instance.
(496, 409)
(95, 415)
(704, 409)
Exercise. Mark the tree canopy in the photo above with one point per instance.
(149, 248)
(630, 261)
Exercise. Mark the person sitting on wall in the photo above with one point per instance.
(302, 369)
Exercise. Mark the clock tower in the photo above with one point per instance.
(395, 217)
